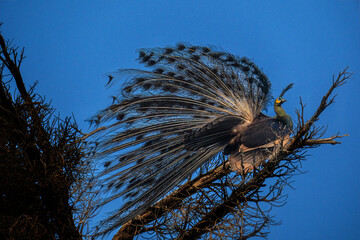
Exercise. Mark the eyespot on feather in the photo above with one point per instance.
(181, 46)
(142, 54)
(169, 50)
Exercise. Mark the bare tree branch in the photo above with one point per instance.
(42, 162)
(13, 67)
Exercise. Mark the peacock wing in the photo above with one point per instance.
(263, 131)
(217, 133)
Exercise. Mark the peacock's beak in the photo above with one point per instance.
(284, 100)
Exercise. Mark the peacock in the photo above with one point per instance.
(194, 105)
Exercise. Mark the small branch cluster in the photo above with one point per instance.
(42, 161)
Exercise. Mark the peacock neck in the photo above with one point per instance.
(282, 116)
(280, 112)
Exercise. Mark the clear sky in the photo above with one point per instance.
(71, 46)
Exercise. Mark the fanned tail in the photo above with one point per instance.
(169, 121)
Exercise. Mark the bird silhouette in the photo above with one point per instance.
(194, 105)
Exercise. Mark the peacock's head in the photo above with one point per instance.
(279, 101)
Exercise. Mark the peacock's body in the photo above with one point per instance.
(196, 104)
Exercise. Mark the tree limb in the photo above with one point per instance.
(14, 69)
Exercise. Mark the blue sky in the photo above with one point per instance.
(71, 46)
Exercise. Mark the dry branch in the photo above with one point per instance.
(39, 159)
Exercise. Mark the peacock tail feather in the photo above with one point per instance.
(171, 119)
